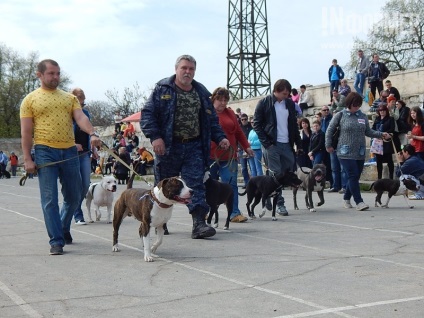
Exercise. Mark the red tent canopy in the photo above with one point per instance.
(133, 117)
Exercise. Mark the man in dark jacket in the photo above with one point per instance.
(377, 72)
(181, 121)
(276, 125)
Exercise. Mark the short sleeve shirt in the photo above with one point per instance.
(52, 115)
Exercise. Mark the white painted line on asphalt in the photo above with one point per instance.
(355, 226)
(31, 312)
(353, 307)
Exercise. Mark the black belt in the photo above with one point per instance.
(185, 140)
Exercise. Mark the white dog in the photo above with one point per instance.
(101, 194)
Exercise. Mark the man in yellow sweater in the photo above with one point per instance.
(47, 114)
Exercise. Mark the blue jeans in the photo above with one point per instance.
(68, 172)
(279, 158)
(318, 157)
(255, 163)
(85, 171)
(244, 170)
(359, 83)
(334, 85)
(353, 169)
(227, 171)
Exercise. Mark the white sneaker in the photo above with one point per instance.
(361, 206)
(81, 222)
(347, 205)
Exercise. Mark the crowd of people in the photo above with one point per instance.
(192, 131)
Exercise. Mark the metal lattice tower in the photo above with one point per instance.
(248, 70)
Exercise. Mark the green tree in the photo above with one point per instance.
(398, 38)
(17, 79)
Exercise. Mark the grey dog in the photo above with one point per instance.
(312, 180)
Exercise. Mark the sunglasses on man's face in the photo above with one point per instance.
(244, 119)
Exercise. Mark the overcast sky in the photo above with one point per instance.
(112, 44)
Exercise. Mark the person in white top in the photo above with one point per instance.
(305, 99)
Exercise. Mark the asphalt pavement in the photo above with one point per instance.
(333, 263)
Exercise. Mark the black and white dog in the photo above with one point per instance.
(101, 194)
(312, 180)
(395, 188)
(153, 208)
(262, 187)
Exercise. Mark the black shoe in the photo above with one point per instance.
(200, 228)
(56, 250)
(68, 238)
(333, 190)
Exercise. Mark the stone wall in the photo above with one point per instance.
(410, 84)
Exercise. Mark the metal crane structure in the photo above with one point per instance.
(248, 70)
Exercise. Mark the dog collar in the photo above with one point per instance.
(162, 205)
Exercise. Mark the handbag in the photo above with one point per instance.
(377, 146)
(336, 134)
(335, 138)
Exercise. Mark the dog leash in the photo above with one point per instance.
(114, 155)
(25, 175)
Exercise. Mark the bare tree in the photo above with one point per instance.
(101, 113)
(131, 101)
(398, 38)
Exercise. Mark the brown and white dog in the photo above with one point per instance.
(152, 208)
(101, 194)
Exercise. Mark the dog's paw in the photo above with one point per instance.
(274, 218)
(262, 213)
(208, 224)
(215, 225)
(320, 203)
(115, 248)
(252, 217)
(411, 206)
(385, 206)
(296, 207)
(98, 218)
(148, 258)
(312, 210)
(90, 221)
(225, 227)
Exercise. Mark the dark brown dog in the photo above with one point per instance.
(152, 208)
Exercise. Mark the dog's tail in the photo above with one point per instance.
(243, 193)
(131, 179)
(301, 169)
(371, 187)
